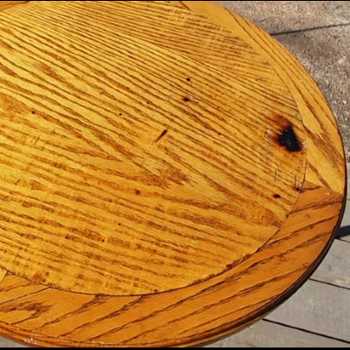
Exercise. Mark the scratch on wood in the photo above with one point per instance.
(161, 136)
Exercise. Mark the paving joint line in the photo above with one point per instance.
(310, 29)
(308, 331)
(328, 283)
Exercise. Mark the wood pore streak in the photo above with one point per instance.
(8, 4)
(85, 158)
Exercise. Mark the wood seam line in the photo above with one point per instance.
(269, 242)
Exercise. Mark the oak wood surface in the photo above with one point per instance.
(7, 4)
(169, 173)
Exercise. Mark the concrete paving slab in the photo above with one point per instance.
(335, 267)
(281, 16)
(318, 307)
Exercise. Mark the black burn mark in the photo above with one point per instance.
(289, 140)
(277, 196)
(186, 99)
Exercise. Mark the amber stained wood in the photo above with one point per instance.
(155, 147)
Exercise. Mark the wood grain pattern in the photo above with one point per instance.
(7, 4)
(137, 202)
(324, 141)
(168, 156)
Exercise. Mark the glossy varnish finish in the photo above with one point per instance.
(169, 173)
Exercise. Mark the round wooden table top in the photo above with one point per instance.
(168, 173)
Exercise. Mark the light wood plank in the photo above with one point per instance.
(317, 307)
(267, 334)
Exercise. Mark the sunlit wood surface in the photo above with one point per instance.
(168, 173)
